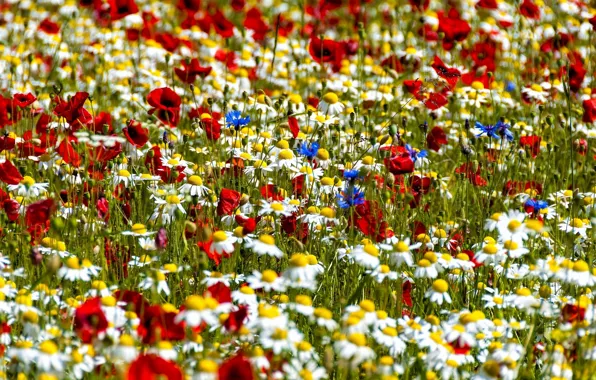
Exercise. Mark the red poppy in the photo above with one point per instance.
(413, 86)
(168, 41)
(436, 138)
(228, 201)
(472, 172)
(72, 110)
(529, 10)
(556, 43)
(23, 100)
(153, 367)
(248, 224)
(103, 154)
(271, 192)
(11, 207)
(191, 70)
(166, 105)
(90, 320)
(228, 57)
(454, 28)
(450, 74)
(326, 51)
(190, 6)
(158, 324)
(254, 21)
(394, 63)
(122, 8)
(589, 110)
(220, 292)
(419, 5)
(6, 143)
(134, 301)
(237, 367)
(222, 25)
(135, 133)
(420, 184)
(236, 319)
(293, 125)
(37, 216)
(406, 293)
(573, 313)
(102, 124)
(435, 100)
(577, 72)
(400, 163)
(532, 143)
(487, 4)
(484, 54)
(515, 187)
(49, 27)
(68, 153)
(9, 174)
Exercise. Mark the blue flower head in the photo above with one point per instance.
(235, 119)
(489, 130)
(309, 152)
(510, 87)
(351, 175)
(503, 130)
(537, 205)
(351, 196)
(415, 153)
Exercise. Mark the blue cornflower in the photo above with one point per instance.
(503, 130)
(309, 151)
(537, 205)
(351, 175)
(351, 196)
(415, 153)
(234, 119)
(489, 130)
(510, 87)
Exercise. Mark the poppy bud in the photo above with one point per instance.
(549, 120)
(244, 199)
(57, 224)
(53, 263)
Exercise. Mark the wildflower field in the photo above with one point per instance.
(305, 189)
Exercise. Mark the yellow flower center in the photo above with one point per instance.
(48, 347)
(358, 339)
(511, 245)
(330, 98)
(286, 154)
(490, 249)
(173, 199)
(195, 302)
(208, 366)
(219, 236)
(440, 286)
(580, 266)
(267, 239)
(513, 225)
(139, 228)
(577, 223)
(321, 312)
(195, 180)
(123, 173)
(371, 250)
(73, 262)
(27, 181)
(523, 292)
(299, 260)
(424, 263)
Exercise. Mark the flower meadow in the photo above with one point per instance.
(309, 189)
